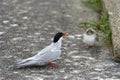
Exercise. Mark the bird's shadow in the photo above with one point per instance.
(31, 67)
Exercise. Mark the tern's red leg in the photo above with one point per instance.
(52, 64)
(87, 46)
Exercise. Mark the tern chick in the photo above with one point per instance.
(90, 38)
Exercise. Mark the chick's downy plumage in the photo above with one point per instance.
(90, 37)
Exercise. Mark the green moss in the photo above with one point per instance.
(94, 4)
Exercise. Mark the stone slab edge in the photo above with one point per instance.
(113, 8)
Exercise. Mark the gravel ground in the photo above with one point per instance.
(27, 26)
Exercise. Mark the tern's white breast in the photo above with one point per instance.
(89, 39)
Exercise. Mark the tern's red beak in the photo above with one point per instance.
(65, 34)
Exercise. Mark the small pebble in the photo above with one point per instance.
(5, 21)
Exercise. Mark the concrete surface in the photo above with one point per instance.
(27, 26)
(113, 8)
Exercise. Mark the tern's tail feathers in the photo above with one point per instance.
(26, 62)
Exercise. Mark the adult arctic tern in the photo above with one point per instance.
(46, 55)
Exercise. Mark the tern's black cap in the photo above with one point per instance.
(57, 37)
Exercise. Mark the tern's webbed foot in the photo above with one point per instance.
(52, 64)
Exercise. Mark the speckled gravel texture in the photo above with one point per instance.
(27, 26)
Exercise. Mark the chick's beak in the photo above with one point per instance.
(65, 34)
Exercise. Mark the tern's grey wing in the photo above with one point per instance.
(50, 55)
(43, 51)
